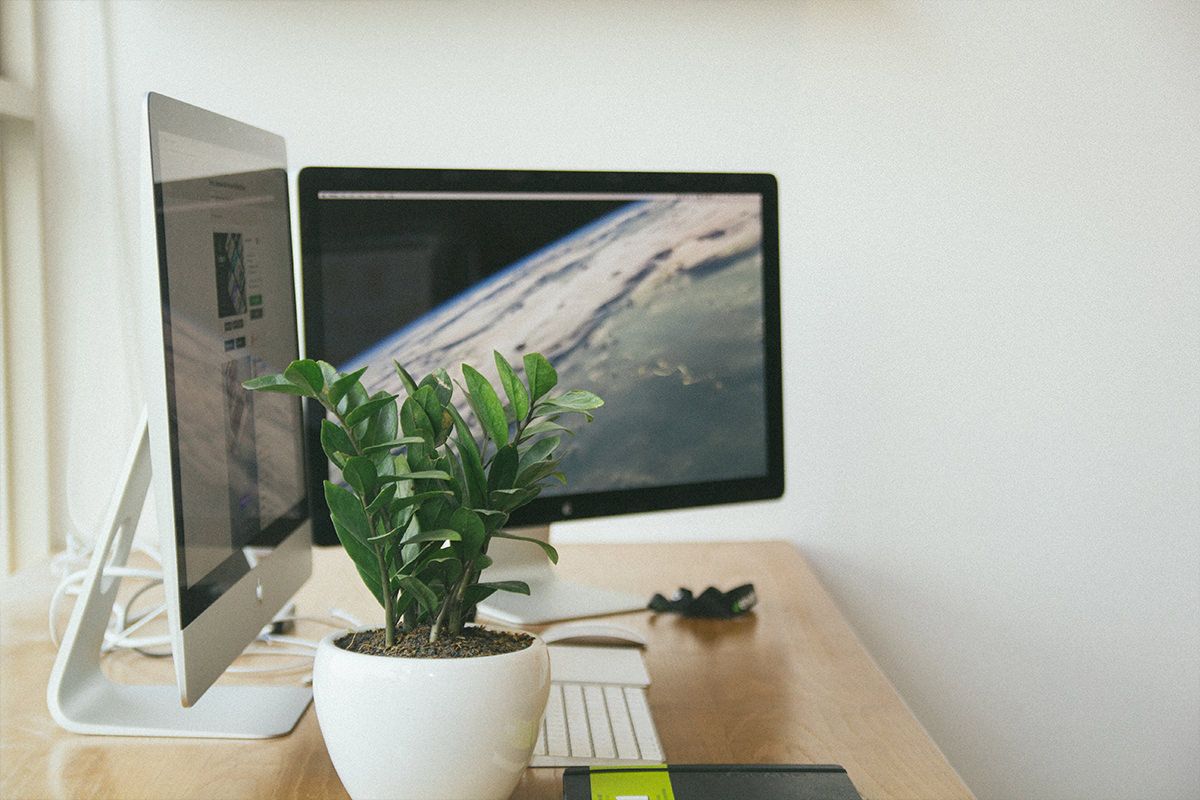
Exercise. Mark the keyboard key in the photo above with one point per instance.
(602, 738)
(539, 747)
(643, 724)
(622, 727)
(556, 724)
(596, 724)
(577, 723)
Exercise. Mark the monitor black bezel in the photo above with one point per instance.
(165, 114)
(544, 510)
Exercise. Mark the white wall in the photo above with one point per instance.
(989, 216)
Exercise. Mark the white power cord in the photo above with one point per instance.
(72, 566)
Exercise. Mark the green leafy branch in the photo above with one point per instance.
(424, 495)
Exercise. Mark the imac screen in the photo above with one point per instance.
(655, 301)
(229, 315)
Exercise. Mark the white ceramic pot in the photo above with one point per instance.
(428, 728)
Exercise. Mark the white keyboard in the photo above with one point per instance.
(596, 723)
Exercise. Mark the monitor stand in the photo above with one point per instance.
(550, 597)
(83, 700)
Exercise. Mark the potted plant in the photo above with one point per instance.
(430, 705)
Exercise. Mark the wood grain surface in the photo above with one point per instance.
(789, 683)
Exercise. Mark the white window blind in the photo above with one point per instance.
(24, 459)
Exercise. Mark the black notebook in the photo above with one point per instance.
(710, 782)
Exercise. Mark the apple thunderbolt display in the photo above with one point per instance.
(658, 291)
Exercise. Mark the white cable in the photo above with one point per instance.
(73, 584)
(303, 618)
(293, 640)
(269, 650)
(274, 668)
(124, 640)
(73, 564)
(346, 617)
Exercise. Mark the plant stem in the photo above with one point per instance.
(385, 588)
(460, 591)
(437, 623)
(453, 605)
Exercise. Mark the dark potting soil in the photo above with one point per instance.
(415, 644)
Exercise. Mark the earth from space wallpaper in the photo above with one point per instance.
(655, 306)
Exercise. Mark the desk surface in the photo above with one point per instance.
(787, 684)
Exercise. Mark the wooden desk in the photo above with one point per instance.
(789, 683)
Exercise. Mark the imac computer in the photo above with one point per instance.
(658, 291)
(227, 467)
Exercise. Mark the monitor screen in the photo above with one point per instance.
(657, 292)
(228, 315)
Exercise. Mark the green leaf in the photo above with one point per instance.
(439, 421)
(439, 381)
(476, 484)
(367, 409)
(467, 523)
(549, 410)
(492, 519)
(429, 555)
(434, 513)
(517, 587)
(539, 451)
(328, 372)
(503, 471)
(410, 386)
(386, 495)
(363, 556)
(438, 535)
(459, 480)
(542, 377)
(384, 535)
(451, 570)
(411, 551)
(387, 447)
(426, 599)
(306, 374)
(477, 594)
(415, 422)
(345, 508)
(511, 499)
(334, 442)
(338, 389)
(275, 383)
(535, 472)
(518, 395)
(576, 400)
(551, 553)
(360, 473)
(354, 398)
(486, 405)
(401, 503)
(476, 480)
(424, 475)
(382, 425)
(544, 426)
(418, 458)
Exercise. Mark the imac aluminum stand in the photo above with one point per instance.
(83, 700)
(550, 598)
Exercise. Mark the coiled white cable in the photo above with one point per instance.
(72, 565)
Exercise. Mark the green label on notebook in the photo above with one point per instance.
(651, 782)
